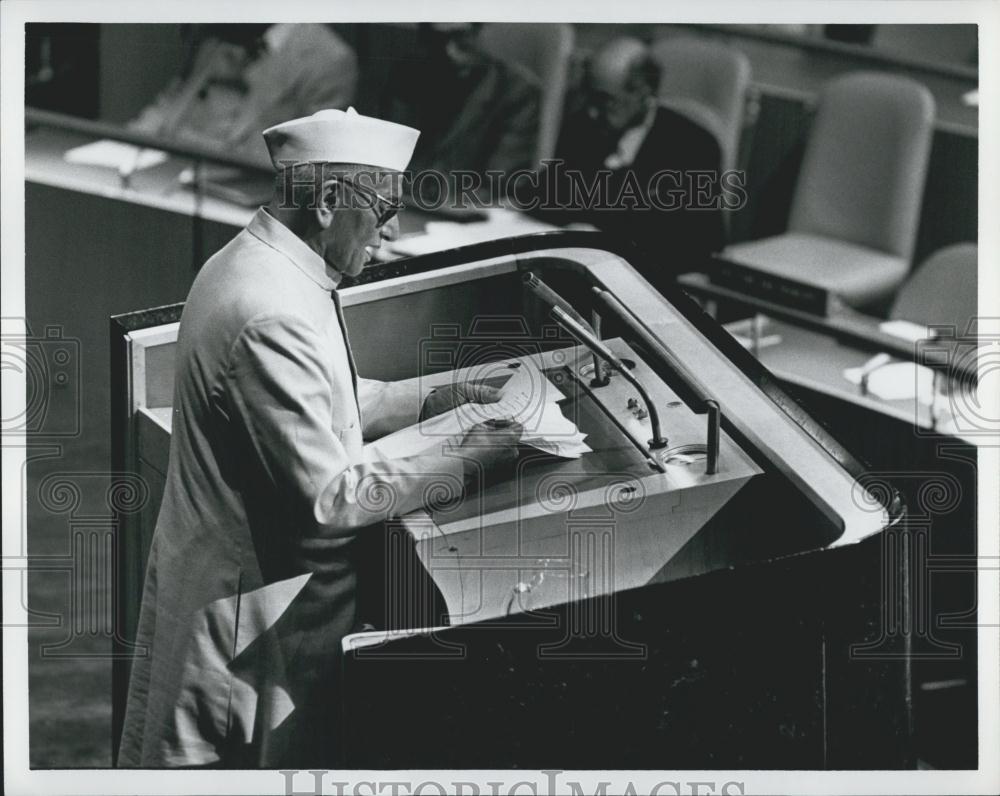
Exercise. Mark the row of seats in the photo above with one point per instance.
(704, 80)
(856, 203)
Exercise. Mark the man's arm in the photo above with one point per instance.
(518, 143)
(281, 387)
(390, 406)
(387, 406)
(329, 78)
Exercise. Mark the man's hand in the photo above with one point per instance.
(492, 444)
(443, 399)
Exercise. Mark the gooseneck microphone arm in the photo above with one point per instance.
(549, 297)
(701, 398)
(582, 334)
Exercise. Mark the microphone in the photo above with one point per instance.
(548, 296)
(700, 396)
(582, 334)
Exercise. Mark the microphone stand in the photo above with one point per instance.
(548, 296)
(583, 335)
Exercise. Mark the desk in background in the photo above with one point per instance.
(935, 465)
(827, 354)
(94, 248)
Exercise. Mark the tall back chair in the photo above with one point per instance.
(856, 205)
(707, 81)
(862, 176)
(545, 51)
(941, 291)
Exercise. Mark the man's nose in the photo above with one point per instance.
(390, 230)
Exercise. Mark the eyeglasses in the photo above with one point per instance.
(383, 207)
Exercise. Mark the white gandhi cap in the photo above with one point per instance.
(333, 136)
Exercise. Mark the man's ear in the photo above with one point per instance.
(329, 199)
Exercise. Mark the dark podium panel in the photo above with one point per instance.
(775, 665)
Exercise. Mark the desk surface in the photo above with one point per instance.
(44, 151)
(160, 187)
(816, 361)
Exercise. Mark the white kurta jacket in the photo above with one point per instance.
(250, 582)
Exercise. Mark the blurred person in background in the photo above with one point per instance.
(476, 112)
(241, 79)
(644, 159)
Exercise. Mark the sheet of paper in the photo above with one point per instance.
(528, 397)
(742, 331)
(911, 332)
(115, 155)
(895, 381)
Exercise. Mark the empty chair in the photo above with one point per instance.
(545, 51)
(708, 82)
(941, 291)
(856, 204)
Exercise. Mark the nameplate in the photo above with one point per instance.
(777, 289)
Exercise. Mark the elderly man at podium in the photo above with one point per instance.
(251, 582)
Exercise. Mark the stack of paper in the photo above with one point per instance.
(528, 398)
(904, 330)
(115, 155)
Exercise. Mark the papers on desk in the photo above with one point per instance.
(905, 330)
(441, 235)
(528, 398)
(743, 331)
(115, 155)
(895, 381)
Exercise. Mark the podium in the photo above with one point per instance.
(627, 609)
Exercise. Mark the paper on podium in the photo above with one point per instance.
(528, 397)
(115, 155)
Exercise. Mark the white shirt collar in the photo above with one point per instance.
(631, 141)
(273, 233)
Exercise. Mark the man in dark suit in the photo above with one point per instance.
(242, 78)
(477, 113)
(631, 167)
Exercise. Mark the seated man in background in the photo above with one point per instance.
(476, 113)
(631, 167)
(243, 78)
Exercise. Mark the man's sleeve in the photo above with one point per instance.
(329, 77)
(387, 406)
(518, 142)
(281, 387)
(152, 117)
